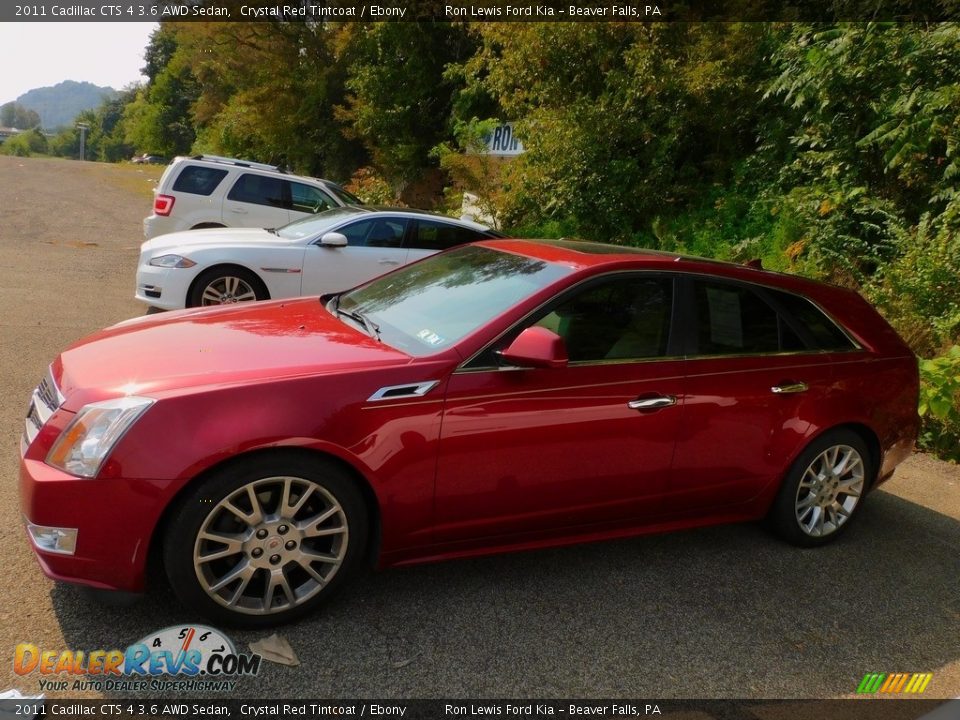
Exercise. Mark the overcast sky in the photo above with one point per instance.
(41, 54)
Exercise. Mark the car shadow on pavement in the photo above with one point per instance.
(718, 612)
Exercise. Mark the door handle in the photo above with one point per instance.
(388, 261)
(652, 403)
(238, 210)
(787, 388)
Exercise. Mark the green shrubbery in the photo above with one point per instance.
(940, 404)
(25, 144)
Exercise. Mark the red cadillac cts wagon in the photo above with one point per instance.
(499, 396)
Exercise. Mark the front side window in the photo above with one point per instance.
(386, 232)
(428, 306)
(735, 320)
(308, 199)
(258, 190)
(198, 180)
(622, 319)
(377, 232)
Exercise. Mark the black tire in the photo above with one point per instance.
(201, 510)
(808, 516)
(217, 279)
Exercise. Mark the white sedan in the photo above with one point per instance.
(328, 252)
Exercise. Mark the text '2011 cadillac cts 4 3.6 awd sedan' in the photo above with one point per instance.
(498, 396)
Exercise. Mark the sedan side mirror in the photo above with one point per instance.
(334, 239)
(536, 347)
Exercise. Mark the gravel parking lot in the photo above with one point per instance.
(712, 613)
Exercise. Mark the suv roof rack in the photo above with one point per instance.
(239, 163)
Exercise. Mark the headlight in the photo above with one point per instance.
(88, 439)
(172, 261)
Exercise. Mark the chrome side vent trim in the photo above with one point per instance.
(397, 392)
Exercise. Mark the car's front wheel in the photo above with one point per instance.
(823, 490)
(226, 285)
(265, 540)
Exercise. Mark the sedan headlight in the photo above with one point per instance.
(88, 439)
(172, 261)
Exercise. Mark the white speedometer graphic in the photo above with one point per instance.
(197, 642)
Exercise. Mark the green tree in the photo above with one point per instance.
(158, 118)
(13, 114)
(619, 120)
(399, 98)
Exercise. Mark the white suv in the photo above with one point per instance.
(209, 191)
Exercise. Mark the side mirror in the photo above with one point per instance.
(334, 239)
(536, 347)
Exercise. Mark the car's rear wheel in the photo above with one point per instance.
(264, 541)
(225, 286)
(823, 490)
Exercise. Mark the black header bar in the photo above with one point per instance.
(177, 707)
(480, 11)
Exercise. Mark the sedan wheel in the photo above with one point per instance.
(225, 286)
(823, 489)
(257, 547)
(829, 490)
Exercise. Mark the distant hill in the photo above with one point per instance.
(60, 104)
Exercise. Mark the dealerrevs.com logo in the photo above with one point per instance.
(185, 658)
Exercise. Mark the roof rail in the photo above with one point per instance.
(239, 163)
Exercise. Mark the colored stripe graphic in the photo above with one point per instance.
(871, 682)
(914, 683)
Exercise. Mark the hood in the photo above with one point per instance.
(212, 236)
(247, 342)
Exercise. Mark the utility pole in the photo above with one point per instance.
(83, 127)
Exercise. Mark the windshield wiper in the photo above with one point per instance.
(358, 317)
(272, 231)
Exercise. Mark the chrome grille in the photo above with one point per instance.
(48, 393)
(44, 402)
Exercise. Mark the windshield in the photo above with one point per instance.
(317, 224)
(344, 195)
(430, 305)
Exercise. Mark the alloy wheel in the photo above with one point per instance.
(270, 545)
(829, 490)
(227, 289)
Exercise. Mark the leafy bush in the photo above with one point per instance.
(940, 404)
(25, 144)
(919, 291)
(371, 187)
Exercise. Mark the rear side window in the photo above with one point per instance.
(822, 331)
(734, 320)
(432, 235)
(259, 190)
(198, 180)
